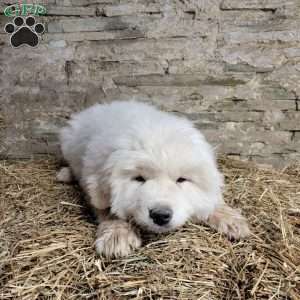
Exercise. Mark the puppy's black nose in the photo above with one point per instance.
(160, 215)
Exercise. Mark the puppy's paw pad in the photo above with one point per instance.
(116, 239)
(230, 222)
(236, 228)
(64, 175)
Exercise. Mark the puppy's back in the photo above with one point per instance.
(106, 122)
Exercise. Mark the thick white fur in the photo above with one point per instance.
(109, 145)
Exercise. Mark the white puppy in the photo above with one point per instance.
(138, 163)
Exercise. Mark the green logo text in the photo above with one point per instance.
(24, 10)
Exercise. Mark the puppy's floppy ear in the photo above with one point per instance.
(209, 177)
(211, 182)
(98, 192)
(217, 184)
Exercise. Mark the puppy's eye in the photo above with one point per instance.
(181, 179)
(139, 179)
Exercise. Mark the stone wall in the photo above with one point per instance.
(232, 66)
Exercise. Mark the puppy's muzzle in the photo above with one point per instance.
(161, 215)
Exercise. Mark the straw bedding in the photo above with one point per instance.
(47, 234)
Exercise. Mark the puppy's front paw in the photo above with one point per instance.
(116, 238)
(64, 175)
(230, 222)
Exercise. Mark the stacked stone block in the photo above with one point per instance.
(231, 66)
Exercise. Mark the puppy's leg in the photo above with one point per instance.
(115, 238)
(64, 175)
(229, 221)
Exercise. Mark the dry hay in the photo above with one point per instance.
(46, 242)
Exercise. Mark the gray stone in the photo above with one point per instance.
(291, 121)
(86, 25)
(129, 9)
(150, 26)
(296, 136)
(231, 66)
(255, 4)
(91, 36)
(71, 11)
(141, 49)
(252, 59)
(58, 44)
(255, 105)
(285, 36)
(179, 80)
(84, 2)
(276, 93)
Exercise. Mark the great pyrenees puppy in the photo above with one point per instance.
(139, 164)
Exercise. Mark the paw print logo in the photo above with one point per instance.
(24, 31)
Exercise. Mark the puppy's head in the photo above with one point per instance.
(162, 187)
